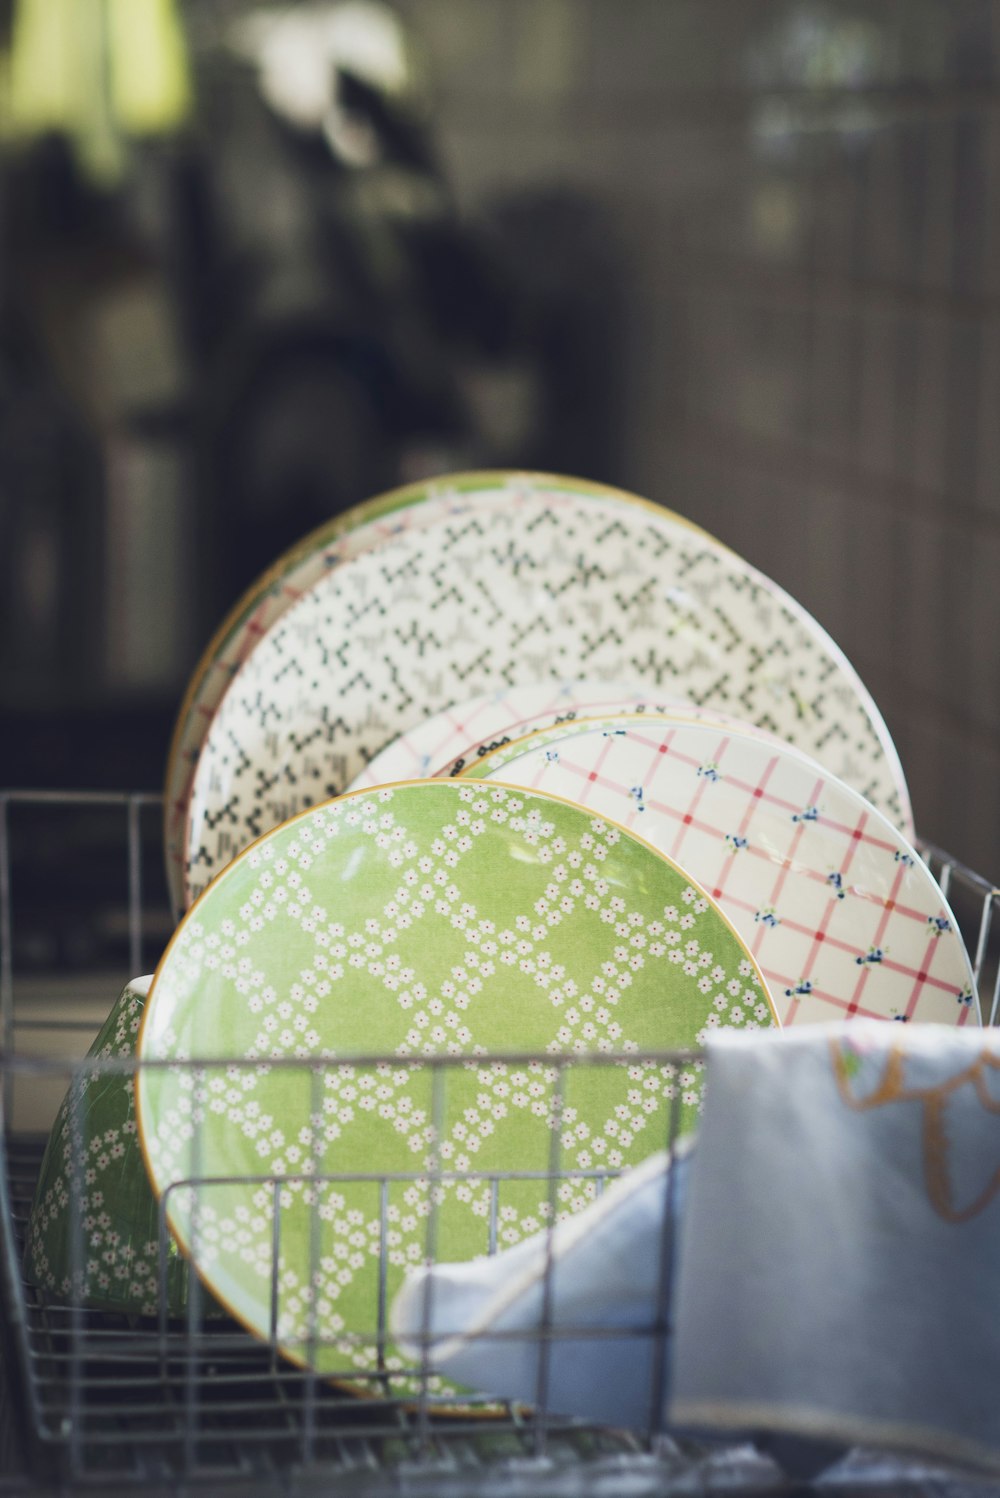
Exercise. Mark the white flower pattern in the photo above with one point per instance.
(118, 1263)
(491, 960)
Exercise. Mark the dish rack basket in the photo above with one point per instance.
(99, 1401)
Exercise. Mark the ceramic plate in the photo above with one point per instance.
(468, 730)
(262, 605)
(348, 535)
(446, 742)
(841, 913)
(120, 1265)
(533, 583)
(435, 917)
(492, 757)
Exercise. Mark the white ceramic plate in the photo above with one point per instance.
(348, 535)
(681, 712)
(263, 604)
(445, 742)
(842, 914)
(534, 582)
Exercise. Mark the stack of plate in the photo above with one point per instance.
(601, 787)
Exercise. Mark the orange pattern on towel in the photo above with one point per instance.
(935, 1100)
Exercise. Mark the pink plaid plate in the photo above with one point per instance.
(443, 744)
(544, 731)
(837, 907)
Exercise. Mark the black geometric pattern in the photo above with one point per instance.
(535, 584)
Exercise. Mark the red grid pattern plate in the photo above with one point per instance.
(839, 910)
(444, 744)
(533, 736)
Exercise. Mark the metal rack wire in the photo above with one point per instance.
(100, 1400)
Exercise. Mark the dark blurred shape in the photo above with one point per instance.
(237, 297)
(559, 249)
(93, 381)
(49, 535)
(349, 312)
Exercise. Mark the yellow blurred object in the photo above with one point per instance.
(96, 71)
(150, 81)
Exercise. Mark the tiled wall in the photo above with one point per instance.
(806, 196)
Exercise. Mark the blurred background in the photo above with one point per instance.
(258, 263)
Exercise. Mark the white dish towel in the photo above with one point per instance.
(839, 1264)
(483, 1323)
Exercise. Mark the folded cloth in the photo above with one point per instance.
(839, 1256)
(599, 1282)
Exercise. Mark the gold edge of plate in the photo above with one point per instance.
(598, 490)
(345, 1381)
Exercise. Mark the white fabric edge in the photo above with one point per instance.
(564, 1237)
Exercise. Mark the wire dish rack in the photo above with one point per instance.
(99, 1400)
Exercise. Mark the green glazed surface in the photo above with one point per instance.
(118, 1258)
(397, 923)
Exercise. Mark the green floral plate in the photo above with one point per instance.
(116, 1265)
(311, 1151)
